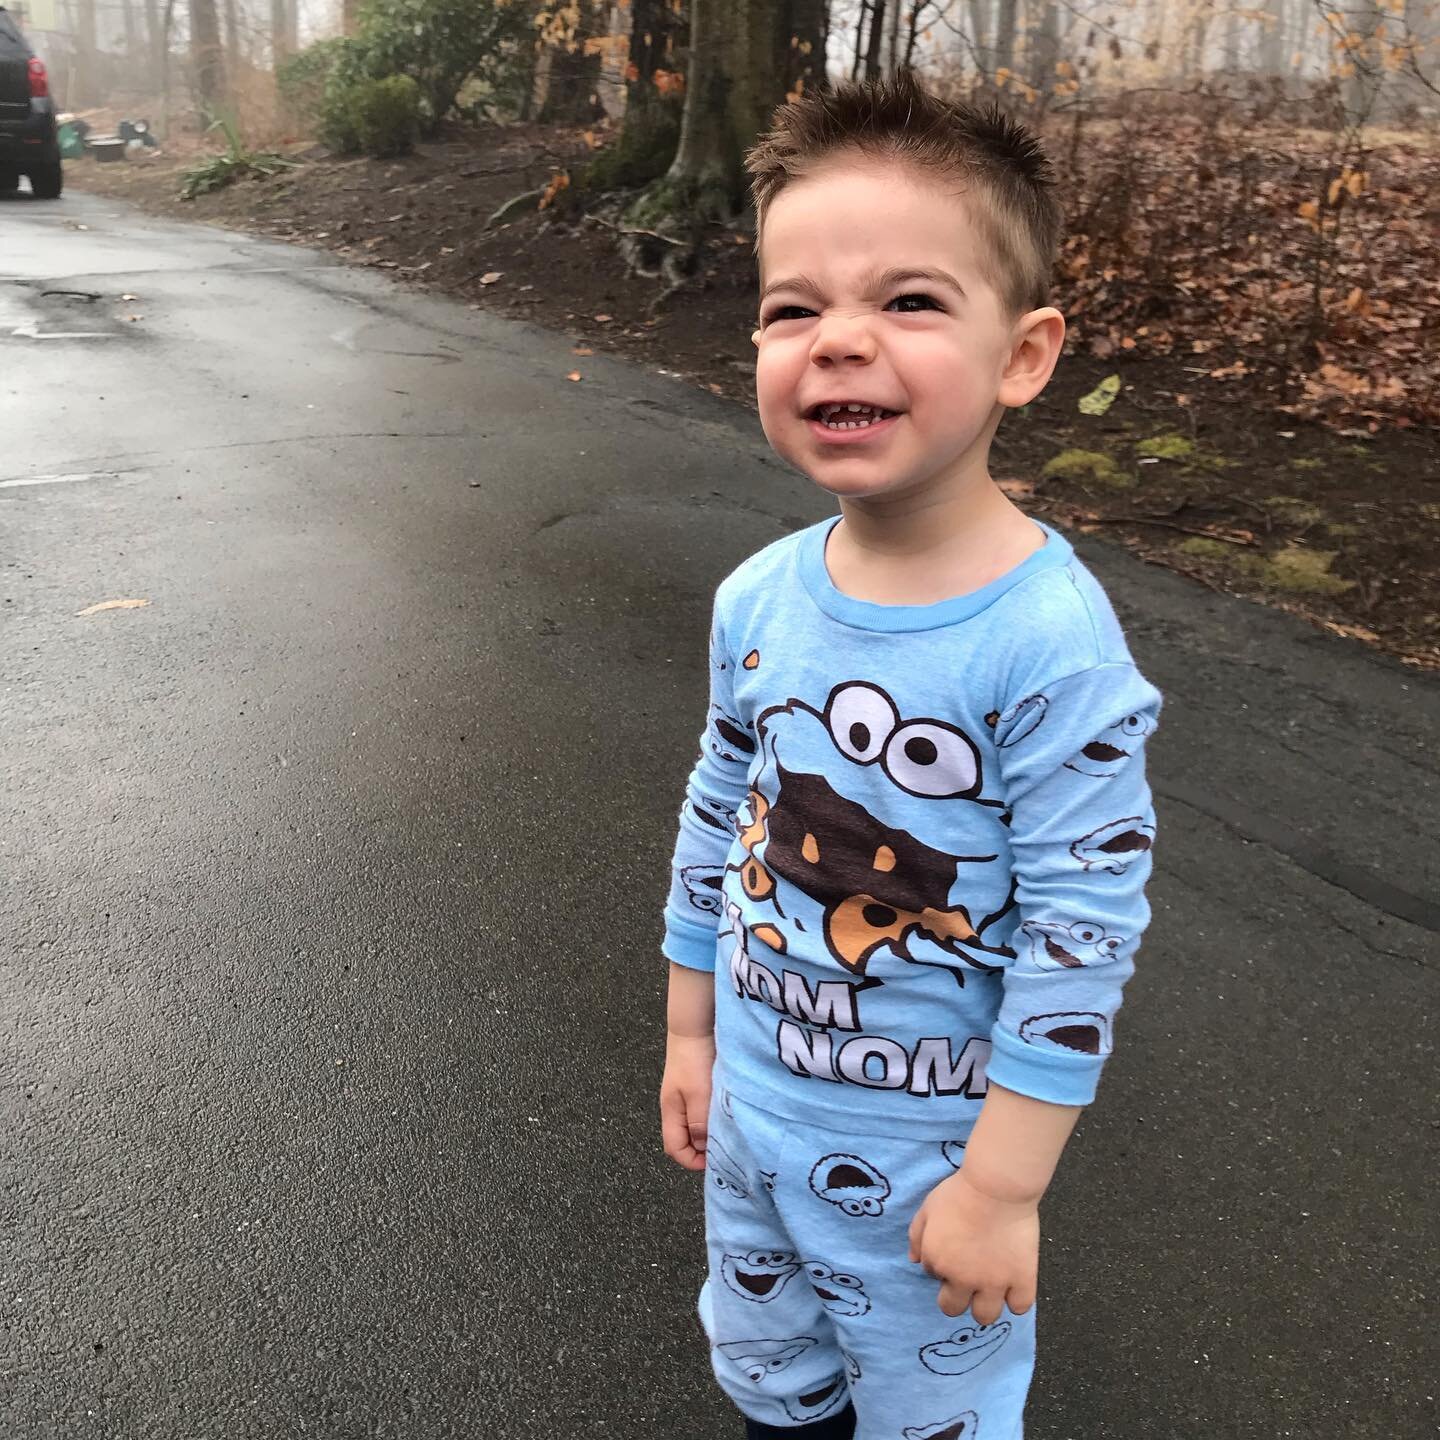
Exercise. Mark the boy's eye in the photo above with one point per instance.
(787, 312)
(913, 304)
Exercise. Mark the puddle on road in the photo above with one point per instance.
(35, 311)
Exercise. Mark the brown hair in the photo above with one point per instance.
(992, 154)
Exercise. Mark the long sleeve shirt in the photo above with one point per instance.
(915, 844)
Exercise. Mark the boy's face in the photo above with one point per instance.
(934, 356)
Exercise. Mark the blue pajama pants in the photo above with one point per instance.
(812, 1300)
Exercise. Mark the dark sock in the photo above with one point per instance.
(836, 1427)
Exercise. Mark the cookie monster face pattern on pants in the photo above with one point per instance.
(724, 1173)
(967, 1347)
(760, 1275)
(839, 1293)
(962, 1427)
(853, 1184)
(815, 1404)
(760, 1359)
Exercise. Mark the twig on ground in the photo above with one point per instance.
(631, 230)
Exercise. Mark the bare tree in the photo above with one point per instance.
(207, 58)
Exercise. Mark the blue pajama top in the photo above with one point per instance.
(915, 845)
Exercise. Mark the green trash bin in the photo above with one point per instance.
(72, 145)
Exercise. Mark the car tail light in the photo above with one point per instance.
(39, 84)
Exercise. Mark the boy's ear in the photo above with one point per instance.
(755, 337)
(1034, 354)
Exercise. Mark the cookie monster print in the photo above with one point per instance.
(727, 737)
(725, 1174)
(962, 1427)
(713, 813)
(759, 1275)
(965, 1349)
(760, 1359)
(852, 1366)
(839, 1293)
(703, 885)
(953, 1151)
(1083, 1031)
(1104, 756)
(851, 1183)
(1116, 846)
(1070, 947)
(876, 883)
(815, 1404)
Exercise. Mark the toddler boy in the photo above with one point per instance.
(909, 882)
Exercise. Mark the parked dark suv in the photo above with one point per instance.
(28, 145)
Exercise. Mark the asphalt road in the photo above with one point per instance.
(329, 888)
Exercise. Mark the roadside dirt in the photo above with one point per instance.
(1340, 525)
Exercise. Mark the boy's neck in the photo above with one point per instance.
(921, 549)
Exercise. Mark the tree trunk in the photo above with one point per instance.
(1004, 38)
(892, 41)
(349, 16)
(155, 41)
(1045, 53)
(805, 36)
(735, 82)
(650, 132)
(570, 94)
(232, 33)
(980, 37)
(207, 59)
(279, 32)
(86, 56)
(877, 36)
(1272, 37)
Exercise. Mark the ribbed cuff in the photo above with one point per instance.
(1057, 1076)
(692, 946)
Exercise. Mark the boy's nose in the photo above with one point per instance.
(842, 337)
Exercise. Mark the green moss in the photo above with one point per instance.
(1340, 529)
(1167, 447)
(1307, 462)
(1430, 512)
(1206, 549)
(1293, 510)
(1299, 571)
(1087, 465)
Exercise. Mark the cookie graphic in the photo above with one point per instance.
(725, 1174)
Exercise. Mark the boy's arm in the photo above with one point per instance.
(695, 907)
(1072, 766)
(713, 796)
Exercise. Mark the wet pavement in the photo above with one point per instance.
(330, 882)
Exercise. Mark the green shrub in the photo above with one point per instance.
(380, 117)
(303, 78)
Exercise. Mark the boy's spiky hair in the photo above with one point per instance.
(993, 157)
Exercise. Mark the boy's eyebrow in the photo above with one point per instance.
(878, 283)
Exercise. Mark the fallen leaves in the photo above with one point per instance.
(574, 375)
(491, 276)
(558, 182)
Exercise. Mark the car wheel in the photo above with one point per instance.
(46, 180)
(9, 180)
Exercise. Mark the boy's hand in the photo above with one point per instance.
(984, 1249)
(685, 1097)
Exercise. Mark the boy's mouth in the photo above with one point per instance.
(849, 415)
